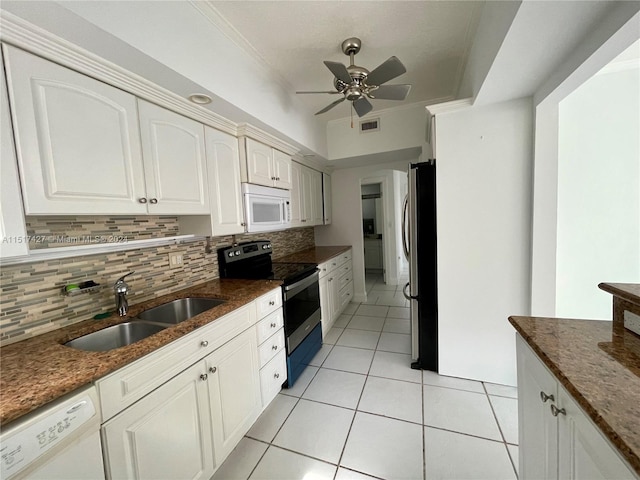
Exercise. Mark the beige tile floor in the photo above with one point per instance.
(360, 412)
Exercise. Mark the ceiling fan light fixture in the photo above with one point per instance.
(353, 93)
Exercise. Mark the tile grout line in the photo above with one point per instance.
(504, 440)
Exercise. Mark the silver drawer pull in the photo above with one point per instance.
(544, 397)
(153, 201)
(142, 200)
(213, 369)
(203, 377)
(555, 411)
(271, 302)
(204, 343)
(273, 325)
(274, 347)
(276, 375)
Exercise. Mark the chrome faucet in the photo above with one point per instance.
(121, 289)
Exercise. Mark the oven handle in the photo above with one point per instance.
(294, 288)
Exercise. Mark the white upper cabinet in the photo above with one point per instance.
(297, 200)
(306, 196)
(223, 168)
(264, 165)
(173, 150)
(78, 140)
(12, 228)
(316, 214)
(326, 198)
(281, 170)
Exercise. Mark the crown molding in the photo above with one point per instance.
(22, 34)
(248, 130)
(449, 106)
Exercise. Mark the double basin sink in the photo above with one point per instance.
(144, 325)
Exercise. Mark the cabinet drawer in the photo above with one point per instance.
(269, 325)
(271, 347)
(345, 256)
(268, 303)
(128, 384)
(272, 376)
(344, 278)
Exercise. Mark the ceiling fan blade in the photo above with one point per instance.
(332, 92)
(389, 70)
(390, 92)
(362, 106)
(339, 71)
(329, 107)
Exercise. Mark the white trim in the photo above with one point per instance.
(248, 130)
(448, 107)
(614, 67)
(82, 250)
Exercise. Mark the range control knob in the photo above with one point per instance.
(264, 247)
(269, 246)
(237, 252)
(231, 254)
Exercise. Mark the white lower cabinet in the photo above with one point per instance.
(557, 439)
(186, 426)
(166, 435)
(336, 288)
(234, 391)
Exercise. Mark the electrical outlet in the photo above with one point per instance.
(175, 260)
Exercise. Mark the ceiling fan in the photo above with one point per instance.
(357, 84)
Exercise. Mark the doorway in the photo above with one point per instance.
(373, 234)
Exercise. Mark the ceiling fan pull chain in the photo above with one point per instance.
(351, 114)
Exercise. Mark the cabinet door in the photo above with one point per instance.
(234, 391)
(78, 140)
(259, 163)
(538, 429)
(326, 198)
(282, 170)
(13, 234)
(305, 188)
(326, 309)
(297, 195)
(223, 169)
(174, 162)
(583, 451)
(316, 198)
(166, 435)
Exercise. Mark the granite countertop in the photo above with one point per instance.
(598, 367)
(626, 291)
(313, 255)
(39, 370)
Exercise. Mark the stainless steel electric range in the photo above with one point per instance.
(300, 295)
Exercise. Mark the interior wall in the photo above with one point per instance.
(400, 189)
(346, 225)
(484, 206)
(616, 33)
(400, 128)
(598, 192)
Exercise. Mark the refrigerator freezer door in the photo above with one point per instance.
(413, 261)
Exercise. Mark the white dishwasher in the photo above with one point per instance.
(60, 441)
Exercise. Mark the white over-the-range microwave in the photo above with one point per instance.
(266, 209)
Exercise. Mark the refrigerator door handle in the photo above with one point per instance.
(405, 210)
(406, 295)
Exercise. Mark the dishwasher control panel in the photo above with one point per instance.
(22, 445)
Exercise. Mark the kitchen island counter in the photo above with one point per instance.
(38, 370)
(314, 255)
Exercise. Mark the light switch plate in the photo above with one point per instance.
(175, 260)
(632, 322)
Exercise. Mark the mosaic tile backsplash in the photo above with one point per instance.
(31, 302)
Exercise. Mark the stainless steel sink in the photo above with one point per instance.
(115, 336)
(179, 310)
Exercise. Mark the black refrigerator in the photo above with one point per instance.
(420, 248)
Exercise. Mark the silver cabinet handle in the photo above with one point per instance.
(331, 279)
(405, 242)
(555, 411)
(276, 375)
(153, 201)
(213, 369)
(273, 325)
(142, 200)
(274, 347)
(544, 397)
(273, 178)
(271, 302)
(204, 343)
(203, 376)
(243, 224)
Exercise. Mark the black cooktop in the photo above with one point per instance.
(291, 272)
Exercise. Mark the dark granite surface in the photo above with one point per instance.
(39, 370)
(599, 367)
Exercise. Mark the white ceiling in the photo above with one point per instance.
(431, 38)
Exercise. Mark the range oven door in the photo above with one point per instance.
(301, 309)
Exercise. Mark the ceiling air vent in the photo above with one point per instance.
(370, 126)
